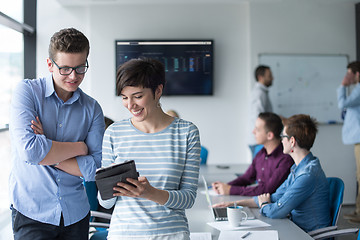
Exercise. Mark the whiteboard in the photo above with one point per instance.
(306, 83)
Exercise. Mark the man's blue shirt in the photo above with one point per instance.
(351, 127)
(42, 192)
(304, 196)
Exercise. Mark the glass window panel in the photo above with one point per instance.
(13, 8)
(11, 69)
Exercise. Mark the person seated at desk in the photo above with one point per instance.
(270, 166)
(304, 196)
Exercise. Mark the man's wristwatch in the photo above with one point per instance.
(263, 203)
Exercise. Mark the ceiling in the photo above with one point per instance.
(134, 2)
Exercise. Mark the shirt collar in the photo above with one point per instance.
(50, 90)
(262, 87)
(277, 151)
(303, 163)
(49, 86)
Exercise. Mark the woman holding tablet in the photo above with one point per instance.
(166, 151)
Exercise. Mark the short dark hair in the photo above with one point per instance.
(108, 121)
(260, 71)
(354, 66)
(303, 128)
(140, 72)
(273, 123)
(68, 40)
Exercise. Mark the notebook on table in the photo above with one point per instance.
(220, 213)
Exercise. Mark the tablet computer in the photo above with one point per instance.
(106, 178)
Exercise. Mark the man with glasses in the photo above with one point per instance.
(270, 166)
(56, 134)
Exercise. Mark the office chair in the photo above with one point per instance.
(99, 236)
(101, 231)
(91, 192)
(256, 149)
(336, 187)
(337, 233)
(203, 155)
(98, 230)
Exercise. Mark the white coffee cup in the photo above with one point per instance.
(236, 215)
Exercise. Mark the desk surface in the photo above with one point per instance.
(200, 214)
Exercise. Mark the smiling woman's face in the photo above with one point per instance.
(139, 101)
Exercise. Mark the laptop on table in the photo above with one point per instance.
(220, 213)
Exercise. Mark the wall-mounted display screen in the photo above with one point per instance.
(188, 63)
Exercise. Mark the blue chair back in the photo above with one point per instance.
(203, 155)
(91, 192)
(337, 187)
(99, 235)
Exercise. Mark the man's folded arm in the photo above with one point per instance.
(62, 154)
(61, 151)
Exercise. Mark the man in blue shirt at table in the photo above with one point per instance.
(56, 134)
(304, 196)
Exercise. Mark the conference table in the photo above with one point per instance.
(200, 214)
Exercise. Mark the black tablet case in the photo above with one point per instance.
(107, 178)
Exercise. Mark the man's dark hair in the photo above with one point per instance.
(68, 40)
(141, 72)
(260, 71)
(108, 121)
(354, 66)
(273, 123)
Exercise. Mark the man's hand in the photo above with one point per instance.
(37, 126)
(84, 149)
(223, 204)
(348, 79)
(221, 188)
(249, 202)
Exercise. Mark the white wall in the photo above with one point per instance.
(182, 22)
(240, 31)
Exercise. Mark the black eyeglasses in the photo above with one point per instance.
(283, 136)
(68, 70)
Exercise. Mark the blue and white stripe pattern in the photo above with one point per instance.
(170, 160)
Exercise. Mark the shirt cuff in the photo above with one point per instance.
(86, 167)
(169, 203)
(106, 203)
(256, 200)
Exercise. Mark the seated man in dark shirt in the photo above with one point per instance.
(270, 166)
